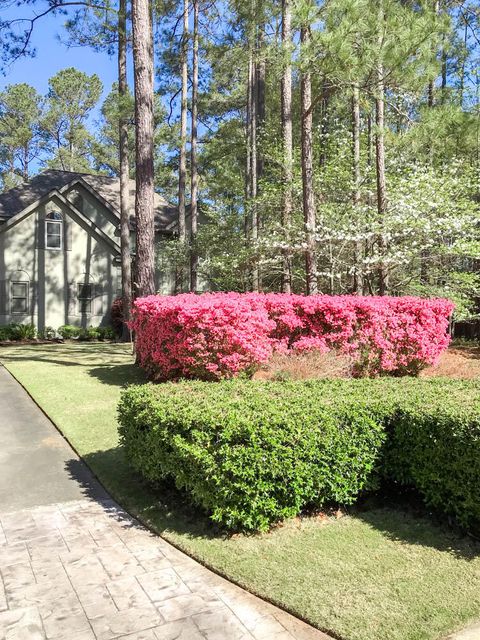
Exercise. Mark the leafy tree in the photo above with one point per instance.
(20, 143)
(71, 97)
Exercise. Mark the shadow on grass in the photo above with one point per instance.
(165, 509)
(118, 374)
(70, 355)
(404, 519)
(102, 361)
(161, 507)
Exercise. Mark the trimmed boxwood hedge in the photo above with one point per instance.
(252, 453)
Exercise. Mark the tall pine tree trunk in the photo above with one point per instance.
(324, 122)
(193, 157)
(357, 181)
(182, 173)
(287, 138)
(260, 84)
(182, 165)
(380, 157)
(26, 154)
(307, 173)
(464, 60)
(124, 170)
(253, 165)
(424, 258)
(431, 84)
(248, 144)
(144, 194)
(444, 73)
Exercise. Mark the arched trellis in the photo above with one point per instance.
(86, 296)
(20, 293)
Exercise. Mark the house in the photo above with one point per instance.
(60, 249)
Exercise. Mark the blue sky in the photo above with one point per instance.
(52, 56)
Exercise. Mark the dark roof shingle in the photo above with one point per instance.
(15, 200)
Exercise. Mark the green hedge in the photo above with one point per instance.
(252, 453)
(433, 444)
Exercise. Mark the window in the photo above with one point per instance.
(53, 230)
(84, 297)
(19, 297)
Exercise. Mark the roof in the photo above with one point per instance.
(17, 199)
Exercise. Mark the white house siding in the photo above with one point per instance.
(53, 275)
(103, 218)
(164, 271)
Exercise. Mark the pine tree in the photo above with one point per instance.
(182, 169)
(123, 152)
(193, 154)
(20, 142)
(287, 139)
(307, 171)
(144, 131)
(71, 97)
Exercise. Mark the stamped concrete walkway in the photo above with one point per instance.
(77, 568)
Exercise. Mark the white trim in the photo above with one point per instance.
(59, 235)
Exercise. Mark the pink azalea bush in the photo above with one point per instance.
(219, 335)
(207, 336)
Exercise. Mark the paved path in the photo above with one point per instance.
(471, 632)
(74, 568)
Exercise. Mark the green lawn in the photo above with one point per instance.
(379, 574)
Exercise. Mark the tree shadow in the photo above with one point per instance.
(161, 507)
(88, 356)
(467, 351)
(164, 509)
(405, 520)
(118, 374)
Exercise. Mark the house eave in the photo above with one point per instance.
(55, 194)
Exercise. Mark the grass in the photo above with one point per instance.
(375, 574)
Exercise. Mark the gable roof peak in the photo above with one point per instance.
(106, 188)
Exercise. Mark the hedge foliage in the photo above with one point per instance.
(433, 445)
(17, 332)
(251, 453)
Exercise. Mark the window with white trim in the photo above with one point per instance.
(53, 230)
(84, 297)
(19, 297)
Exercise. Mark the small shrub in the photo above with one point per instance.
(68, 331)
(48, 333)
(252, 453)
(116, 316)
(89, 334)
(18, 331)
(4, 334)
(106, 333)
